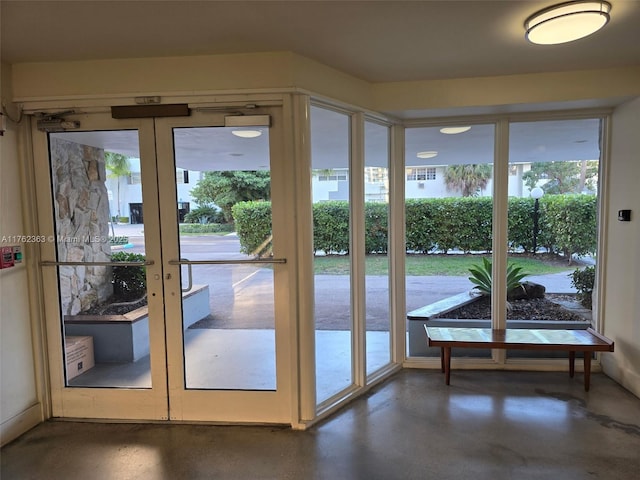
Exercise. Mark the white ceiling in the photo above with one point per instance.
(378, 41)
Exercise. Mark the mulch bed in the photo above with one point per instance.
(529, 309)
(114, 309)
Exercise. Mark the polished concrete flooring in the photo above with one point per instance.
(486, 425)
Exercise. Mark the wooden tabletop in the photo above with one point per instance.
(516, 338)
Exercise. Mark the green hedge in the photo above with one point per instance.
(253, 226)
(570, 223)
(129, 283)
(376, 227)
(331, 227)
(567, 224)
(207, 228)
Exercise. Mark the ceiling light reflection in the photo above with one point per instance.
(246, 133)
(454, 130)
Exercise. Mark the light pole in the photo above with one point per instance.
(536, 194)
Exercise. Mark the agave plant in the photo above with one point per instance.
(481, 276)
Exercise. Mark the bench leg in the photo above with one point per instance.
(587, 371)
(447, 364)
(442, 359)
(572, 363)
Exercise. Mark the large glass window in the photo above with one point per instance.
(449, 209)
(552, 188)
(330, 154)
(376, 211)
(553, 198)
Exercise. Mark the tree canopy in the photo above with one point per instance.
(563, 177)
(469, 180)
(226, 188)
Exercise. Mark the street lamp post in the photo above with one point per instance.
(536, 194)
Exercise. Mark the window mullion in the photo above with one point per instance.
(357, 253)
(500, 228)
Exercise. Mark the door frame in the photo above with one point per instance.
(154, 403)
(230, 405)
(95, 402)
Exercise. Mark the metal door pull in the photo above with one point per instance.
(228, 262)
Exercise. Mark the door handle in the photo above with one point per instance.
(189, 263)
(189, 274)
(184, 261)
(48, 263)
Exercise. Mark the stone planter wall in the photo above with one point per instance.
(81, 206)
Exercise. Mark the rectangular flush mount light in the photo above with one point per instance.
(247, 121)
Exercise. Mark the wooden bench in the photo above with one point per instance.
(572, 341)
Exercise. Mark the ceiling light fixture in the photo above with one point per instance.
(246, 133)
(454, 130)
(567, 22)
(427, 154)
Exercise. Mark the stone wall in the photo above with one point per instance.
(81, 206)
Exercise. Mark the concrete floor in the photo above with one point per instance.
(486, 425)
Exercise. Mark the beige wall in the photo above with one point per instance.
(286, 70)
(508, 90)
(19, 408)
(186, 75)
(622, 268)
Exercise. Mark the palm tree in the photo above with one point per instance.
(118, 166)
(470, 179)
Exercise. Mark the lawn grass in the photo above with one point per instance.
(203, 234)
(427, 265)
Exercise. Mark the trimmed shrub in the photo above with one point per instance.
(129, 283)
(253, 226)
(376, 228)
(521, 224)
(331, 227)
(421, 217)
(567, 224)
(462, 223)
(571, 219)
(207, 228)
(583, 281)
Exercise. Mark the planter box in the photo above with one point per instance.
(420, 317)
(125, 338)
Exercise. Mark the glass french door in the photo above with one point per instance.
(226, 279)
(149, 316)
